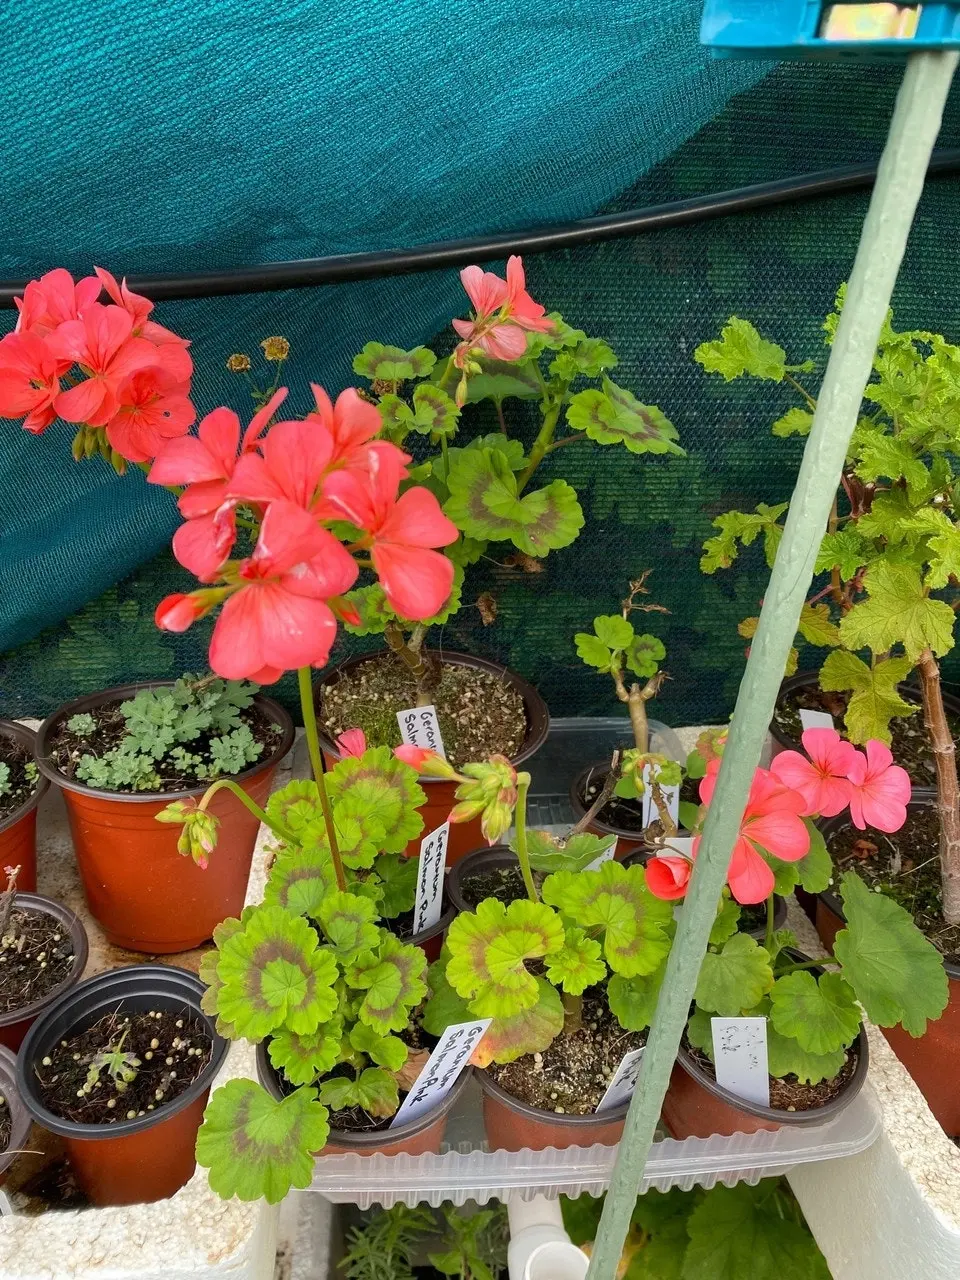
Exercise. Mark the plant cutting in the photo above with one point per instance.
(881, 961)
(445, 1242)
(885, 609)
(21, 789)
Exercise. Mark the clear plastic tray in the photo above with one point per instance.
(465, 1170)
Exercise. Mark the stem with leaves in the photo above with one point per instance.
(316, 763)
(948, 787)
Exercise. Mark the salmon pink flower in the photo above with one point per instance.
(668, 876)
(415, 579)
(279, 618)
(175, 358)
(101, 342)
(772, 821)
(352, 742)
(180, 611)
(153, 408)
(880, 789)
(429, 763)
(53, 299)
(823, 779)
(29, 381)
(351, 422)
(289, 466)
(502, 310)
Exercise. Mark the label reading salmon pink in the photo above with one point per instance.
(815, 719)
(740, 1057)
(443, 1068)
(621, 1087)
(419, 728)
(433, 859)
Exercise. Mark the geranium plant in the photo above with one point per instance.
(892, 548)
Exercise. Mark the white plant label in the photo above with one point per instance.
(442, 1069)
(609, 853)
(433, 860)
(624, 1081)
(419, 728)
(740, 1057)
(815, 719)
(670, 794)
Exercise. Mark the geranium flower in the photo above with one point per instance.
(823, 779)
(352, 742)
(430, 763)
(176, 358)
(771, 821)
(53, 299)
(668, 876)
(153, 408)
(502, 310)
(415, 580)
(351, 422)
(289, 466)
(29, 381)
(101, 342)
(880, 789)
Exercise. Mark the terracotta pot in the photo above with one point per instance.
(932, 1059)
(145, 894)
(419, 1137)
(128, 1161)
(18, 832)
(512, 1125)
(440, 794)
(20, 1118)
(15, 1024)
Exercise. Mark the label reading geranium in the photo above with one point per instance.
(443, 1067)
(433, 859)
(740, 1057)
(815, 719)
(624, 1081)
(670, 794)
(419, 727)
(609, 853)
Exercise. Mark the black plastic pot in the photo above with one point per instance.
(628, 840)
(20, 1118)
(129, 1161)
(18, 831)
(417, 1137)
(479, 861)
(15, 1024)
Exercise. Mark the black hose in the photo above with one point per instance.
(307, 272)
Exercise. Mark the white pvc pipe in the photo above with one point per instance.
(540, 1248)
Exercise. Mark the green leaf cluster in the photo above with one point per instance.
(614, 644)
(470, 1244)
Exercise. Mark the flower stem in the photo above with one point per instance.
(541, 446)
(316, 763)
(768, 937)
(520, 817)
(228, 784)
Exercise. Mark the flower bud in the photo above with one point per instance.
(428, 763)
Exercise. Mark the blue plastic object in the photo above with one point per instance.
(791, 30)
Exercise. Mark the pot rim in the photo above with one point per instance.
(174, 984)
(36, 902)
(538, 714)
(20, 1118)
(267, 1075)
(447, 916)
(923, 797)
(576, 804)
(490, 1087)
(118, 693)
(470, 862)
(27, 737)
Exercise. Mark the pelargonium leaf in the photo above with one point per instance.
(815, 868)
(503, 379)
(637, 927)
(360, 832)
(489, 950)
(386, 789)
(820, 1014)
(549, 853)
(593, 651)
(207, 972)
(275, 974)
(644, 655)
(577, 965)
(385, 1051)
(398, 877)
(735, 978)
(614, 630)
(725, 925)
(370, 603)
(443, 1007)
(874, 693)
(300, 879)
(740, 349)
(339, 1093)
(378, 1092)
(392, 980)
(349, 922)
(898, 610)
(633, 1001)
(435, 413)
(530, 1031)
(303, 1058)
(588, 358)
(256, 1147)
(295, 805)
(736, 1232)
(382, 363)
(615, 416)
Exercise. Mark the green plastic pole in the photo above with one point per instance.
(913, 131)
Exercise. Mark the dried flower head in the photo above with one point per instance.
(238, 363)
(276, 349)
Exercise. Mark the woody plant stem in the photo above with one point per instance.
(948, 788)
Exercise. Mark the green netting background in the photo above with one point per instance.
(654, 298)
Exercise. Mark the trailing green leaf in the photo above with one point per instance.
(615, 416)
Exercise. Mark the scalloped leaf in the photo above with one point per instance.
(735, 978)
(615, 416)
(874, 693)
(295, 806)
(725, 925)
(370, 603)
(300, 879)
(815, 868)
(207, 972)
(740, 350)
(637, 927)
(374, 1089)
(398, 878)
(256, 1147)
(392, 980)
(503, 380)
(303, 1058)
(594, 652)
(380, 362)
(588, 359)
(434, 412)
(897, 610)
(633, 1001)
(821, 1014)
(644, 655)
(549, 853)
(530, 1031)
(484, 503)
(350, 924)
(386, 789)
(489, 949)
(577, 965)
(275, 974)
(614, 630)
(444, 1007)
(385, 1051)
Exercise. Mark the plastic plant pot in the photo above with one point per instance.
(130, 1161)
(144, 893)
(477, 862)
(430, 941)
(422, 1136)
(20, 1118)
(15, 1024)
(932, 1059)
(512, 1125)
(628, 840)
(440, 794)
(18, 831)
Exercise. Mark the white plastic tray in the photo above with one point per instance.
(467, 1171)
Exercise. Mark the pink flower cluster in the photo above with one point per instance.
(281, 602)
(833, 776)
(101, 365)
(503, 314)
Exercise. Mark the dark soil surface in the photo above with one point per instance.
(505, 883)
(171, 1050)
(401, 926)
(21, 785)
(572, 1075)
(904, 865)
(67, 749)
(479, 714)
(910, 745)
(6, 1124)
(36, 955)
(789, 1094)
(627, 815)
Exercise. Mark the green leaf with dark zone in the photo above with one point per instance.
(381, 362)
(615, 416)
